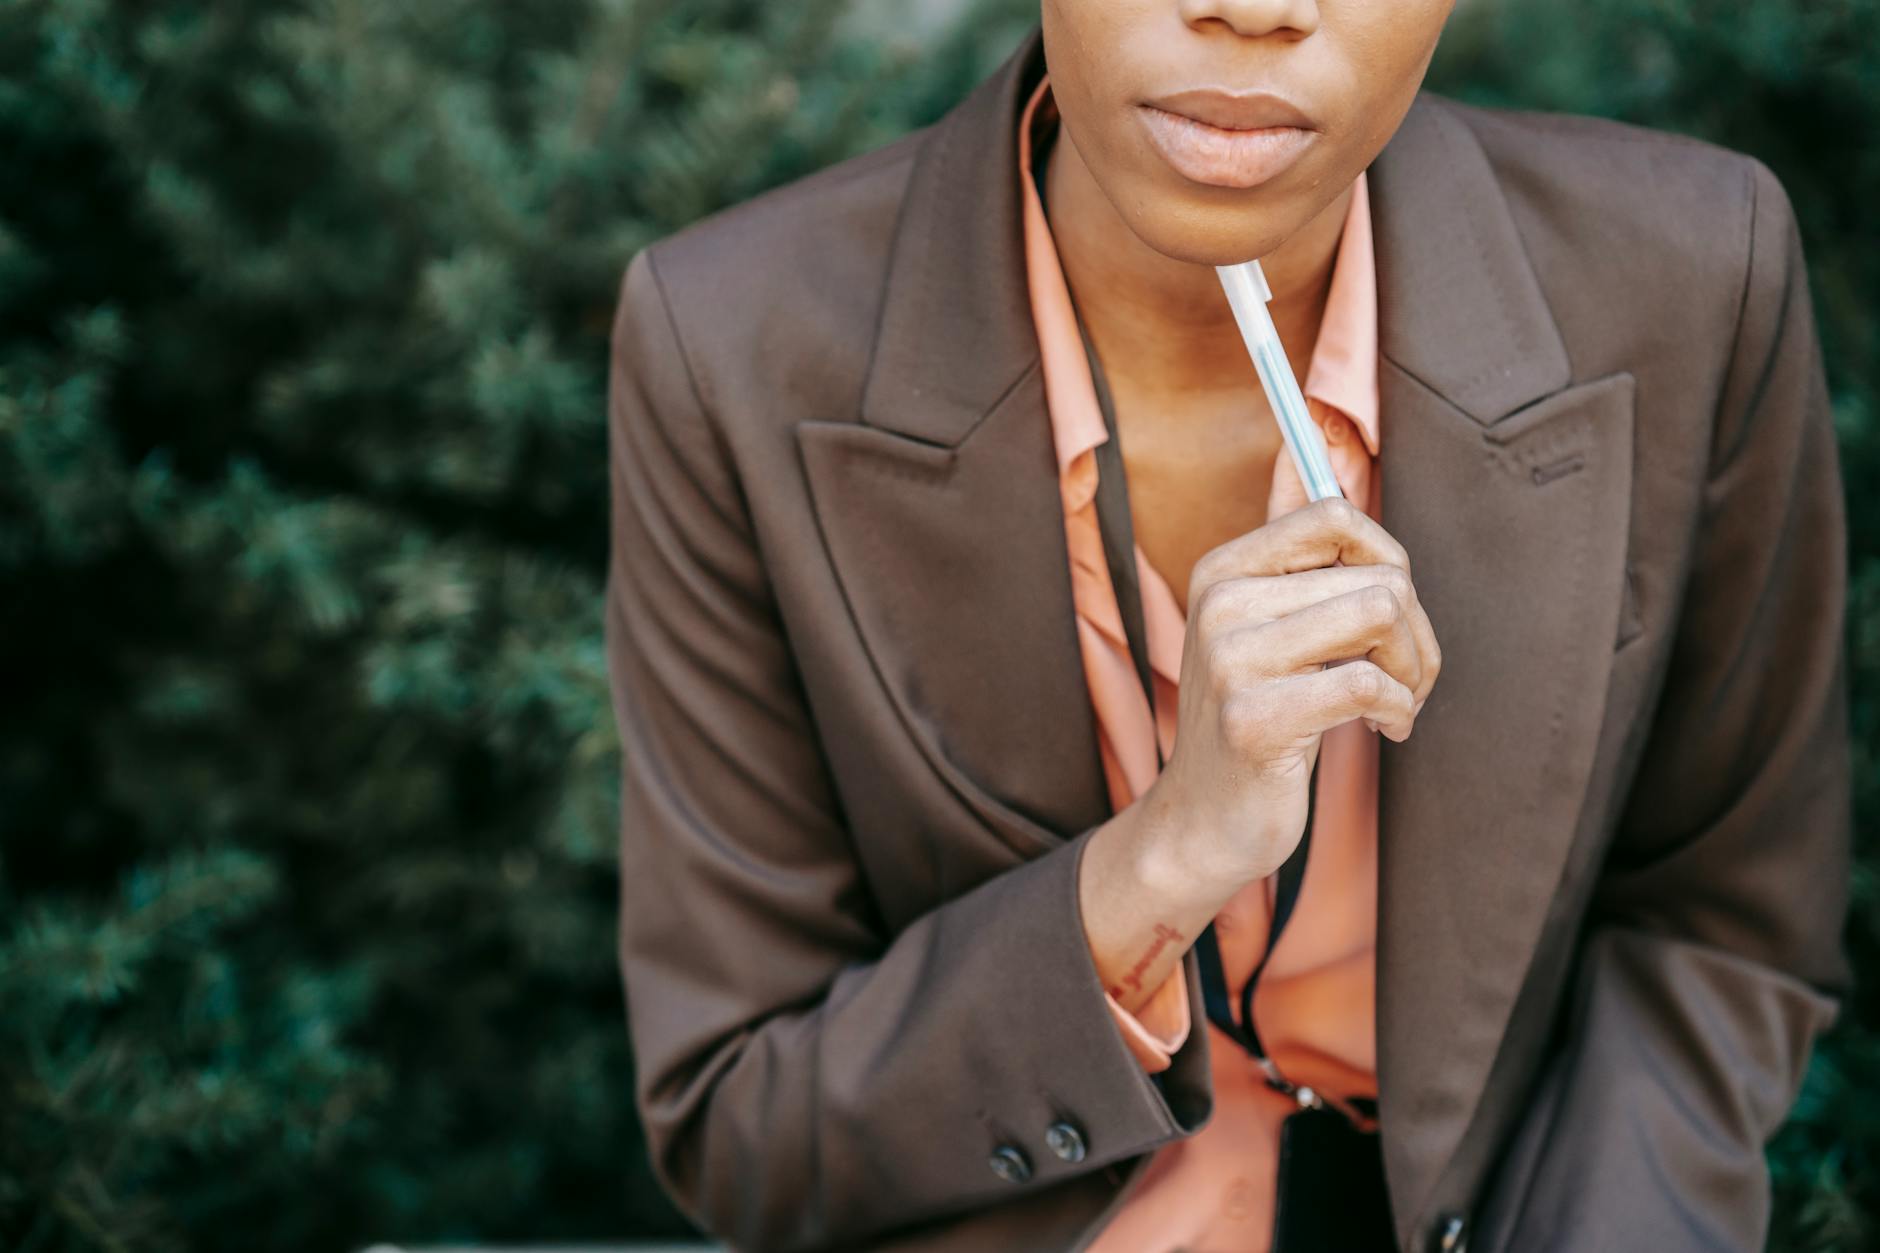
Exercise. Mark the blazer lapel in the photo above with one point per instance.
(940, 509)
(1510, 489)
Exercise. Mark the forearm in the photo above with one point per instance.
(1143, 904)
(978, 1026)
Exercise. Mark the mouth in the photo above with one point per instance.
(1226, 140)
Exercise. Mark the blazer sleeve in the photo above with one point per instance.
(1713, 956)
(805, 1078)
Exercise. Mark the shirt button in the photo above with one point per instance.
(1066, 1141)
(1451, 1234)
(1009, 1163)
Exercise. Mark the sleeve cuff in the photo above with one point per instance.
(1156, 1031)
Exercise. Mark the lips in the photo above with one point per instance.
(1227, 139)
(1235, 111)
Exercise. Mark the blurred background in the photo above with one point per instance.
(307, 767)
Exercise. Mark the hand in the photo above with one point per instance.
(1270, 615)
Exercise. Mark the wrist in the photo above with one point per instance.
(1176, 860)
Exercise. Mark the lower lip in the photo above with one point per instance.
(1224, 158)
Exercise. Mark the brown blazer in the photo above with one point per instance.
(840, 632)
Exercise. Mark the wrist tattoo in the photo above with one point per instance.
(1133, 980)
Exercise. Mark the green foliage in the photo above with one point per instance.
(307, 770)
(307, 774)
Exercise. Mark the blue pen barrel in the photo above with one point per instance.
(1247, 294)
(1296, 424)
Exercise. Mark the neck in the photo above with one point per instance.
(1167, 322)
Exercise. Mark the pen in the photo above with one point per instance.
(1248, 293)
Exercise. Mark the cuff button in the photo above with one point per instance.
(1009, 1163)
(1066, 1141)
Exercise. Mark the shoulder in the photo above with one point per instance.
(804, 221)
(815, 248)
(1670, 187)
(1633, 190)
(1634, 231)
(770, 297)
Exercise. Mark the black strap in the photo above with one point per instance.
(1119, 536)
(1119, 550)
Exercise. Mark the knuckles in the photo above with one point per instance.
(1376, 606)
(1245, 722)
(1364, 682)
(1398, 581)
(1202, 580)
(1338, 513)
(1213, 607)
(1223, 664)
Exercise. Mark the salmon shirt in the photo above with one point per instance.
(1213, 1191)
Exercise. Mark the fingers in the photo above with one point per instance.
(1396, 636)
(1323, 533)
(1368, 622)
(1272, 720)
(1281, 605)
(1236, 602)
(1326, 698)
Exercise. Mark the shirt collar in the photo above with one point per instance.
(1342, 374)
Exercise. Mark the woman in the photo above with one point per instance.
(958, 783)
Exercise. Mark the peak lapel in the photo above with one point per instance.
(1510, 489)
(940, 509)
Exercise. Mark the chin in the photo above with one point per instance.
(1212, 238)
(1205, 225)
